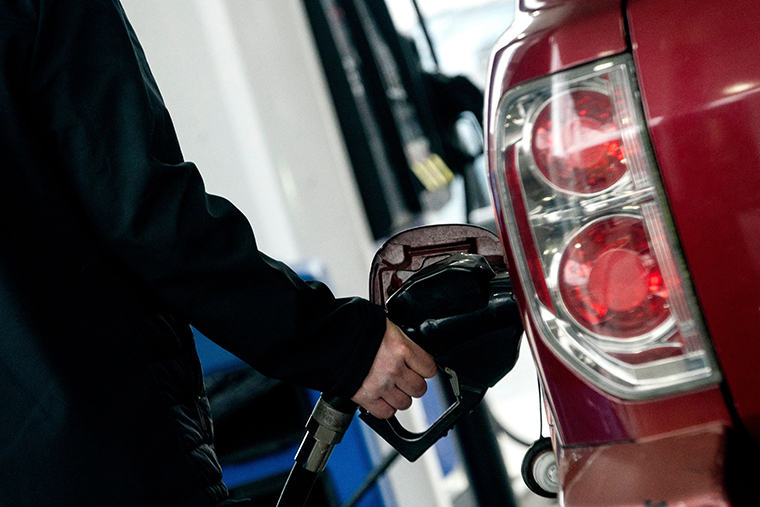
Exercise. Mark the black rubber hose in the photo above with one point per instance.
(298, 487)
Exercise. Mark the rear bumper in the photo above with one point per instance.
(686, 469)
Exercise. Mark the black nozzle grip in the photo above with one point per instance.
(412, 445)
(439, 336)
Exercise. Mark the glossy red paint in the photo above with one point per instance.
(699, 76)
(558, 36)
(685, 469)
(549, 36)
(700, 83)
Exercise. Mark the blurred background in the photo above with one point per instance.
(333, 124)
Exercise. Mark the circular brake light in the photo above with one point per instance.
(610, 281)
(576, 144)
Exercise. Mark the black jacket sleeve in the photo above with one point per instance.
(96, 102)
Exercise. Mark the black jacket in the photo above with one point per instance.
(109, 249)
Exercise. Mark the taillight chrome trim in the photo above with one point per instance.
(696, 367)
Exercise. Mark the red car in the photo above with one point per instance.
(623, 142)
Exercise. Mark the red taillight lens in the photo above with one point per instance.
(576, 145)
(610, 281)
(575, 181)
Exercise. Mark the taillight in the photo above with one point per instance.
(610, 281)
(575, 144)
(576, 181)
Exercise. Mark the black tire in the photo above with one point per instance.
(541, 453)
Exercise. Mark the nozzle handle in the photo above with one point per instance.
(412, 445)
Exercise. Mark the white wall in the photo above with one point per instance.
(243, 83)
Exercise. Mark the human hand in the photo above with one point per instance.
(397, 374)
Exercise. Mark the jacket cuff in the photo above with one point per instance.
(363, 354)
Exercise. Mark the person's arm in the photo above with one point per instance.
(95, 101)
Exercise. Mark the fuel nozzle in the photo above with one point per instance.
(462, 313)
(459, 309)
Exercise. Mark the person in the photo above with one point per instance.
(110, 250)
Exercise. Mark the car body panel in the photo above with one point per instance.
(539, 43)
(681, 469)
(699, 76)
(699, 80)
